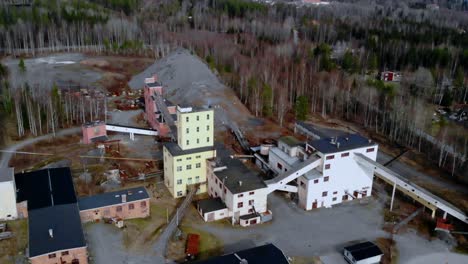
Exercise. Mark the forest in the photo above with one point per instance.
(285, 62)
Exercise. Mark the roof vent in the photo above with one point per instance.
(51, 233)
(240, 183)
(337, 144)
(124, 198)
(369, 140)
(347, 138)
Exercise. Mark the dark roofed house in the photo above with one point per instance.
(44, 188)
(212, 209)
(125, 204)
(268, 253)
(363, 253)
(339, 144)
(54, 230)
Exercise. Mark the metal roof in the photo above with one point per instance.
(175, 149)
(268, 253)
(364, 250)
(211, 205)
(112, 198)
(340, 144)
(6, 174)
(44, 188)
(65, 223)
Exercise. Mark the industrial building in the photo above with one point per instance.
(335, 175)
(185, 161)
(8, 209)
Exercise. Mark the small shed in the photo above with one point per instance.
(363, 253)
(212, 209)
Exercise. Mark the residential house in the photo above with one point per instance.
(8, 209)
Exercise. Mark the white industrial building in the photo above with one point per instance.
(235, 191)
(322, 172)
(8, 209)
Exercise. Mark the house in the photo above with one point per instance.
(94, 132)
(124, 204)
(47, 198)
(323, 172)
(363, 253)
(235, 191)
(268, 253)
(8, 209)
(185, 161)
(390, 76)
(56, 235)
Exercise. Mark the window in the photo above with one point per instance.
(143, 204)
(240, 195)
(370, 150)
(179, 168)
(208, 117)
(179, 160)
(198, 118)
(197, 178)
(198, 156)
(346, 154)
(327, 166)
(330, 157)
(198, 165)
(225, 190)
(189, 180)
(198, 141)
(208, 128)
(52, 255)
(188, 142)
(364, 193)
(207, 139)
(251, 193)
(187, 130)
(189, 167)
(334, 199)
(240, 205)
(326, 178)
(220, 185)
(302, 184)
(198, 129)
(186, 119)
(179, 181)
(216, 180)
(179, 193)
(279, 166)
(119, 208)
(335, 192)
(251, 202)
(188, 158)
(324, 194)
(65, 253)
(131, 206)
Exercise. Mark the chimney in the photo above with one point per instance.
(51, 233)
(124, 198)
(337, 144)
(240, 183)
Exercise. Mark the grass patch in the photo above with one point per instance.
(461, 249)
(46, 162)
(210, 245)
(13, 249)
(305, 260)
(390, 216)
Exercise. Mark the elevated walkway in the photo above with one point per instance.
(280, 181)
(411, 189)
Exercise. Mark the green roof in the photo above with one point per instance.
(290, 141)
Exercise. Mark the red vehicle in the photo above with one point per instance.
(193, 245)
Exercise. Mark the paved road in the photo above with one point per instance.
(6, 157)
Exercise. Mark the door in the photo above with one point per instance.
(345, 197)
(76, 261)
(253, 221)
(314, 205)
(356, 194)
(210, 217)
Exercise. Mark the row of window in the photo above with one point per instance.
(131, 206)
(346, 154)
(187, 142)
(187, 130)
(64, 253)
(197, 118)
(189, 158)
(241, 204)
(189, 180)
(189, 166)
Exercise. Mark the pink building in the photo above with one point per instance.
(94, 131)
(152, 113)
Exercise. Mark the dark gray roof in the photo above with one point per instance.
(99, 139)
(237, 177)
(175, 150)
(6, 174)
(44, 188)
(249, 216)
(112, 198)
(345, 143)
(65, 222)
(153, 84)
(211, 204)
(268, 253)
(364, 250)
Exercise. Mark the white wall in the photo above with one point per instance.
(345, 175)
(8, 201)
(373, 260)
(274, 159)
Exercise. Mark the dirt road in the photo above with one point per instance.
(6, 157)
